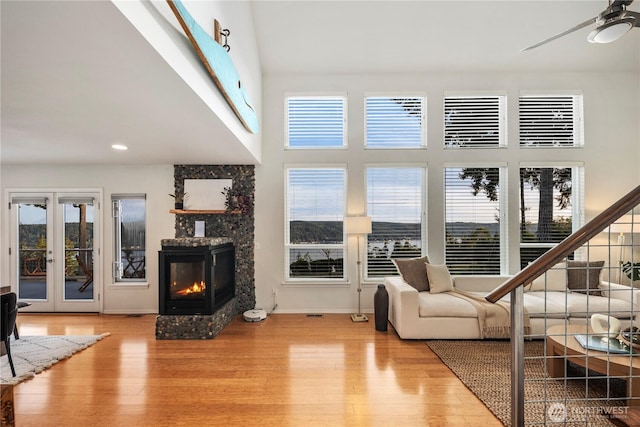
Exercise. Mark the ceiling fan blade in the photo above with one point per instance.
(617, 3)
(564, 33)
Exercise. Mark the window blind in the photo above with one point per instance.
(546, 213)
(315, 213)
(29, 200)
(394, 203)
(394, 122)
(316, 122)
(76, 200)
(472, 218)
(550, 121)
(474, 121)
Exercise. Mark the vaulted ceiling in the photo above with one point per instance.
(77, 76)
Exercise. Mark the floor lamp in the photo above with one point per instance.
(358, 225)
(621, 226)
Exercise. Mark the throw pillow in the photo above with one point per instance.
(413, 272)
(584, 277)
(439, 278)
(554, 280)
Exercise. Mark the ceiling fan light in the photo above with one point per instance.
(610, 31)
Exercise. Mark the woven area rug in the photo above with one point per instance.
(34, 354)
(485, 368)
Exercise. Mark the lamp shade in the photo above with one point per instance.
(625, 225)
(358, 224)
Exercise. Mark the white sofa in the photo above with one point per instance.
(426, 315)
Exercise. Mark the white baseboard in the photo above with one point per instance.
(136, 311)
(316, 311)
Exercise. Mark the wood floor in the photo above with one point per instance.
(289, 370)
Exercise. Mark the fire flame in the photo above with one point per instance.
(196, 288)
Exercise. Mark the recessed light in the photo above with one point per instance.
(119, 147)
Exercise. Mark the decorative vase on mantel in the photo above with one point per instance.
(179, 206)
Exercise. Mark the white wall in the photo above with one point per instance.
(154, 181)
(612, 147)
(157, 23)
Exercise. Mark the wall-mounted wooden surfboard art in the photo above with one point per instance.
(218, 63)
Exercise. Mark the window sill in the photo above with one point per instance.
(203, 212)
(372, 284)
(315, 283)
(341, 147)
(125, 285)
(422, 147)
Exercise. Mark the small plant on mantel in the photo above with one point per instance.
(179, 200)
(234, 200)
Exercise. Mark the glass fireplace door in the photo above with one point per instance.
(187, 280)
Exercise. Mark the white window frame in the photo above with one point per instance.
(503, 206)
(577, 200)
(117, 267)
(329, 97)
(501, 119)
(287, 238)
(577, 119)
(423, 120)
(423, 207)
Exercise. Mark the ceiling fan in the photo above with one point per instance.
(611, 24)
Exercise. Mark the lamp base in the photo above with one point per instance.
(358, 317)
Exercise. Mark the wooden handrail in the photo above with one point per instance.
(568, 245)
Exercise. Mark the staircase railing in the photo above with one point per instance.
(514, 286)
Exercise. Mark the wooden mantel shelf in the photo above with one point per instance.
(203, 212)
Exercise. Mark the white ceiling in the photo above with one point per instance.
(422, 36)
(72, 84)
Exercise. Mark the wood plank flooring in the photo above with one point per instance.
(289, 370)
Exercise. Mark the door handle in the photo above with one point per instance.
(50, 260)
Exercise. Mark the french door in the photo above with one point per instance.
(55, 260)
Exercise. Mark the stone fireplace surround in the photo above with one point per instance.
(239, 228)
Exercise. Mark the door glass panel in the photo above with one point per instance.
(78, 250)
(32, 251)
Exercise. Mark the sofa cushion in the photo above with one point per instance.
(584, 305)
(413, 271)
(554, 280)
(444, 305)
(583, 276)
(439, 278)
(539, 305)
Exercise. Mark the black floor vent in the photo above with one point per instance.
(314, 315)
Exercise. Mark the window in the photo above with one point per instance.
(551, 121)
(316, 122)
(395, 205)
(474, 121)
(394, 122)
(129, 224)
(314, 223)
(549, 208)
(473, 220)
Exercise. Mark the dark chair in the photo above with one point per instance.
(20, 304)
(9, 305)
